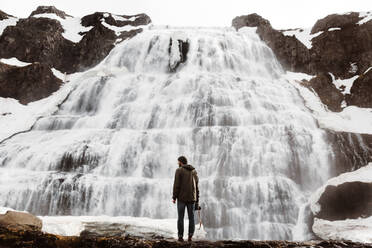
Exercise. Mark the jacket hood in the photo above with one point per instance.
(188, 167)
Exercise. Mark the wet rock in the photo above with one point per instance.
(361, 91)
(351, 150)
(327, 91)
(20, 221)
(49, 10)
(29, 83)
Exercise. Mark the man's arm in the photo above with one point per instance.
(176, 184)
(197, 187)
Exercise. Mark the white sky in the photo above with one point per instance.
(281, 13)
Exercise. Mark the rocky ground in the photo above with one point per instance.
(33, 238)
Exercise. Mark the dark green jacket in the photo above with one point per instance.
(186, 184)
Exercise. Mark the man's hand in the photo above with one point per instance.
(174, 201)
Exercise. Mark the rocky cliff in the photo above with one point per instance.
(50, 38)
(339, 45)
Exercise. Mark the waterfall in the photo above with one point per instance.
(216, 96)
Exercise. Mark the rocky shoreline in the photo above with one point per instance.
(16, 238)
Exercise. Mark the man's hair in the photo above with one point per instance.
(182, 159)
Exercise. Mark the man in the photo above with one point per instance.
(186, 192)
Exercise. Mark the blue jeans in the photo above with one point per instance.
(181, 214)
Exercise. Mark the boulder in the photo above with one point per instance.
(20, 220)
(327, 91)
(361, 91)
(349, 200)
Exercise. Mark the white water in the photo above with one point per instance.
(111, 148)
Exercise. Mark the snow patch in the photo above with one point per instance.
(71, 25)
(366, 17)
(344, 85)
(123, 19)
(363, 174)
(334, 29)
(358, 230)
(303, 35)
(11, 21)
(350, 119)
(14, 62)
(125, 28)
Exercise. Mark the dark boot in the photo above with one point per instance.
(189, 239)
(180, 239)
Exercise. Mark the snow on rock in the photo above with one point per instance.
(125, 28)
(138, 226)
(334, 29)
(14, 62)
(366, 17)
(71, 25)
(16, 117)
(121, 18)
(11, 21)
(303, 35)
(363, 174)
(356, 230)
(351, 119)
(344, 85)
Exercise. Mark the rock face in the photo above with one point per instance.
(29, 83)
(327, 91)
(361, 92)
(20, 221)
(42, 40)
(343, 48)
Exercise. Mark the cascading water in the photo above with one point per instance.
(213, 95)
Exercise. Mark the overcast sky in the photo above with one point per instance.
(281, 13)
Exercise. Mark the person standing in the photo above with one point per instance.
(186, 193)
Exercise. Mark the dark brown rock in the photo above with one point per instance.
(49, 10)
(327, 91)
(335, 20)
(35, 40)
(20, 221)
(361, 91)
(29, 83)
(349, 200)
